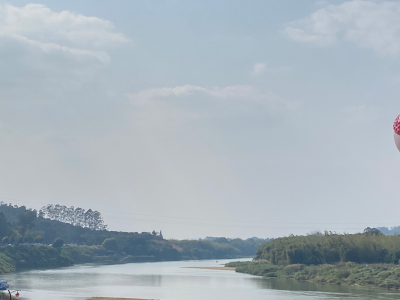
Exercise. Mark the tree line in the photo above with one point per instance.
(75, 216)
(77, 226)
(19, 224)
(371, 246)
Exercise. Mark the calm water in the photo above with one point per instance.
(171, 280)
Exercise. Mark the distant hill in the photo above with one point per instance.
(212, 238)
(24, 225)
(389, 231)
(220, 246)
(47, 230)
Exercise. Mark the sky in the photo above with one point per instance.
(203, 118)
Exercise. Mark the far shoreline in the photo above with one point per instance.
(213, 268)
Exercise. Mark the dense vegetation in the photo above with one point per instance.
(366, 259)
(79, 236)
(20, 224)
(35, 257)
(375, 275)
(6, 264)
(72, 226)
(368, 247)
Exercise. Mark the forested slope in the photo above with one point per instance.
(28, 232)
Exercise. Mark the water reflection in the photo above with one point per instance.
(172, 280)
(328, 290)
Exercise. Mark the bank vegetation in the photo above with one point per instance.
(363, 259)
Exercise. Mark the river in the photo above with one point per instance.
(173, 281)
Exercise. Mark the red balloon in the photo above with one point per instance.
(396, 128)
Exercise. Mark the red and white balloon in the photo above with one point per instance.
(396, 127)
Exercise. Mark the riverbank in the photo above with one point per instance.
(6, 264)
(23, 257)
(7, 296)
(375, 275)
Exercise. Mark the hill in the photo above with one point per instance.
(89, 240)
(389, 231)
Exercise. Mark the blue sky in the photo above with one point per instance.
(222, 118)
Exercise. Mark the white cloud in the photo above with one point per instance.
(239, 92)
(45, 55)
(258, 69)
(261, 68)
(374, 25)
(236, 91)
(65, 32)
(49, 47)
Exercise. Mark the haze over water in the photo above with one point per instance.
(174, 281)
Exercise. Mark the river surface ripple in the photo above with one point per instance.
(173, 281)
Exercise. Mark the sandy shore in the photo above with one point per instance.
(213, 268)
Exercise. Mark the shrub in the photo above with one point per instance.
(384, 274)
(38, 239)
(291, 269)
(58, 243)
(110, 244)
(343, 274)
(28, 239)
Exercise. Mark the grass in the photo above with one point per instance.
(374, 275)
(6, 264)
(82, 254)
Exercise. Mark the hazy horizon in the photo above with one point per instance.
(211, 118)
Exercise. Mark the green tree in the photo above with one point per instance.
(15, 236)
(58, 243)
(38, 239)
(372, 231)
(28, 239)
(110, 244)
(6, 240)
(27, 221)
(4, 225)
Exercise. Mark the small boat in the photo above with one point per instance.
(3, 285)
